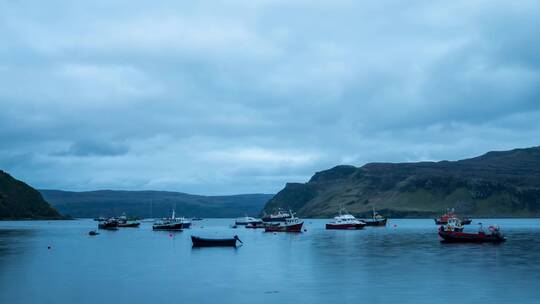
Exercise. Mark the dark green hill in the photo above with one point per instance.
(20, 201)
(495, 184)
(153, 203)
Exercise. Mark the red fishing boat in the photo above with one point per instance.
(443, 219)
(454, 224)
(292, 224)
(345, 221)
(493, 236)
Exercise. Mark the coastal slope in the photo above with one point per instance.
(505, 184)
(20, 201)
(153, 203)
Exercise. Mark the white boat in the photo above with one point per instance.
(246, 220)
(279, 216)
(345, 221)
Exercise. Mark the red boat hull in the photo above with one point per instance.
(461, 237)
(345, 226)
(283, 228)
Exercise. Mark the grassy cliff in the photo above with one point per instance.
(495, 184)
(20, 201)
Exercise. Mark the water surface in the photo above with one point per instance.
(402, 263)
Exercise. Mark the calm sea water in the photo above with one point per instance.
(402, 263)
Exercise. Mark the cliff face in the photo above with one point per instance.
(494, 184)
(20, 201)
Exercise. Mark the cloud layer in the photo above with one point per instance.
(243, 96)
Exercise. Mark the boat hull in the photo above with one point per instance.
(345, 226)
(204, 242)
(256, 226)
(129, 225)
(376, 222)
(284, 228)
(461, 237)
(108, 225)
(174, 227)
(274, 219)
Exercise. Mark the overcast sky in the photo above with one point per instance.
(221, 97)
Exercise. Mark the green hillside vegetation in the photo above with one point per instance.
(505, 184)
(20, 201)
(143, 204)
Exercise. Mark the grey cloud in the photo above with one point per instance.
(93, 148)
(245, 96)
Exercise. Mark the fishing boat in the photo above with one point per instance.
(453, 224)
(291, 224)
(171, 223)
(279, 216)
(345, 221)
(376, 220)
(110, 224)
(128, 224)
(247, 220)
(93, 233)
(124, 222)
(443, 219)
(186, 223)
(206, 242)
(493, 236)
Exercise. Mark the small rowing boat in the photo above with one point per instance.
(206, 242)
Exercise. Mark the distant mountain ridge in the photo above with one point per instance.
(153, 203)
(503, 183)
(20, 201)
